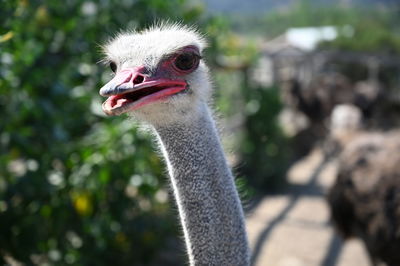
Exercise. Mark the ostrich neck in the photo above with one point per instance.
(208, 202)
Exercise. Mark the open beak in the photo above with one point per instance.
(130, 90)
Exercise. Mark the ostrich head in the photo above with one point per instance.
(160, 76)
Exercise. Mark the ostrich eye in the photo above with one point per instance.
(113, 67)
(186, 61)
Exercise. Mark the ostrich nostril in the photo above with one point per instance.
(138, 79)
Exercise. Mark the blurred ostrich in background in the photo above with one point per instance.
(365, 198)
(309, 106)
(327, 90)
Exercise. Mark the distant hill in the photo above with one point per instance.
(263, 6)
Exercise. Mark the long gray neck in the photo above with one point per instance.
(208, 202)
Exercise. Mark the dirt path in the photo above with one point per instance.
(293, 229)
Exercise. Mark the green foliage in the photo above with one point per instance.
(379, 35)
(360, 28)
(76, 188)
(250, 113)
(264, 148)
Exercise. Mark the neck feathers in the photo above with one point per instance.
(209, 206)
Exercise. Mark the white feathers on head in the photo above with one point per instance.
(153, 43)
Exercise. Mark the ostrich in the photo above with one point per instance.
(161, 80)
(365, 199)
(318, 99)
(326, 90)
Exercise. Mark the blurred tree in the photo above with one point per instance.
(355, 35)
(250, 114)
(265, 151)
(75, 188)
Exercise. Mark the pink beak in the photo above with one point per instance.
(124, 81)
(130, 89)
